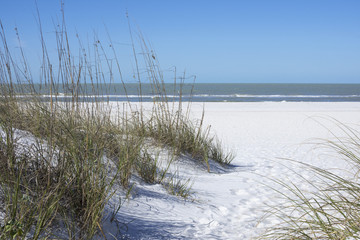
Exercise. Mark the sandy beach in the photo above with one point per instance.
(230, 203)
(146, 120)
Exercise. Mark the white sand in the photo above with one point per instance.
(230, 205)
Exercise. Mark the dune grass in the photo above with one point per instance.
(331, 210)
(62, 159)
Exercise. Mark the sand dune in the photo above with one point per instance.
(230, 204)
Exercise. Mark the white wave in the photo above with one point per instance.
(61, 95)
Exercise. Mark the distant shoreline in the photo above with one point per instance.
(208, 92)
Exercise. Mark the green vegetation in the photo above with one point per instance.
(331, 210)
(61, 161)
(178, 187)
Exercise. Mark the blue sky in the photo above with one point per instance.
(294, 41)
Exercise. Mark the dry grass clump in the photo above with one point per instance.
(171, 124)
(60, 160)
(177, 186)
(331, 210)
(61, 173)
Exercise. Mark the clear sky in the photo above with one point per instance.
(295, 41)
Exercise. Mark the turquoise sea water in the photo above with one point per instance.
(218, 92)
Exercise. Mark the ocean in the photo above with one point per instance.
(220, 92)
